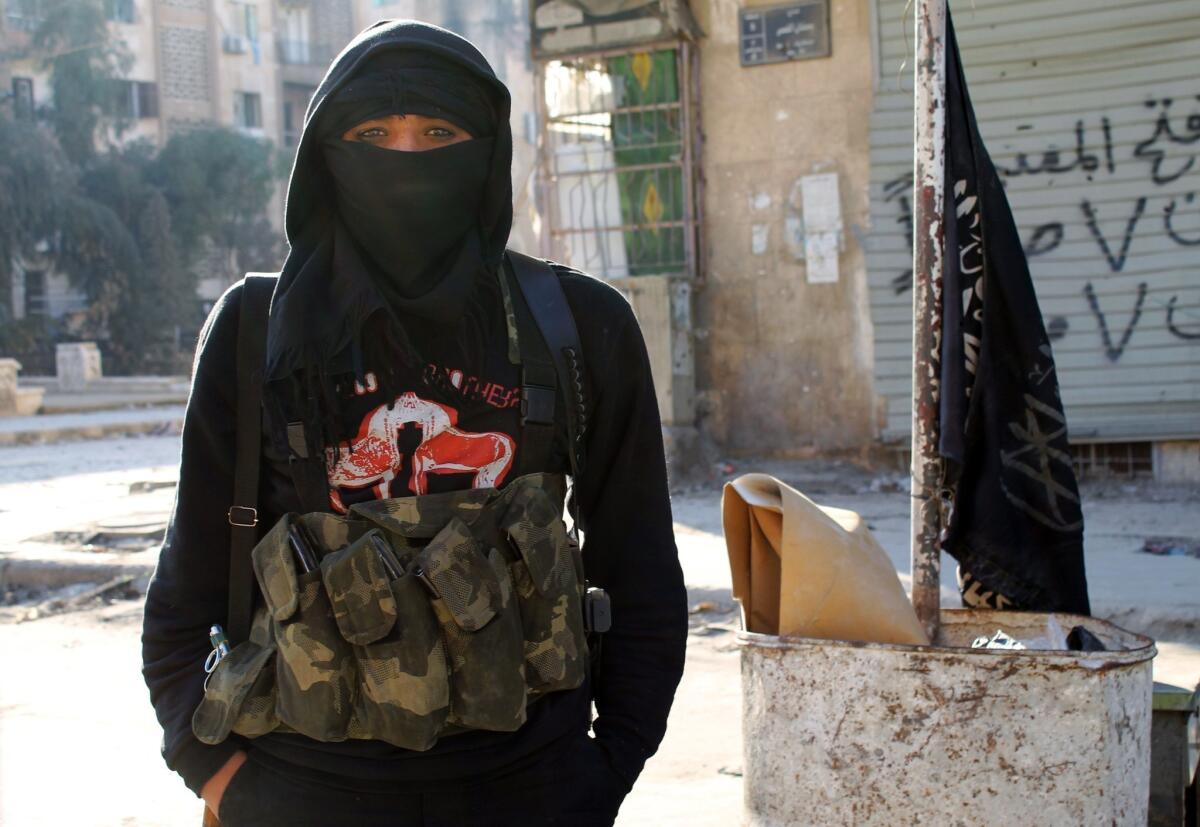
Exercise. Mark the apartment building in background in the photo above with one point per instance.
(251, 65)
(756, 208)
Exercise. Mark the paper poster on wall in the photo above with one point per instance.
(822, 226)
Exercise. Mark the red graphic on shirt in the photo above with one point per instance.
(453, 451)
(373, 457)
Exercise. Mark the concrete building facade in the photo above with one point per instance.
(779, 316)
(796, 316)
(783, 354)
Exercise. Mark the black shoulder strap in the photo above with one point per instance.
(547, 304)
(243, 514)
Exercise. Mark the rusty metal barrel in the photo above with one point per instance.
(837, 732)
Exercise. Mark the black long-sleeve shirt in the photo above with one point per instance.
(629, 550)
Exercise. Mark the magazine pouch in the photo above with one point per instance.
(471, 592)
(549, 592)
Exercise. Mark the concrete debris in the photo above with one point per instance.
(1171, 546)
(77, 596)
(146, 486)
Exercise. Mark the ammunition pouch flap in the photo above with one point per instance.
(538, 532)
(358, 591)
(275, 568)
(461, 576)
(227, 691)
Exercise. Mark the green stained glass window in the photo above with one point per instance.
(615, 154)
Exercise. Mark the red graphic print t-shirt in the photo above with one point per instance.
(412, 443)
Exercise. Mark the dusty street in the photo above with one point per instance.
(78, 740)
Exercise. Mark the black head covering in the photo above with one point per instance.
(318, 307)
(410, 81)
(330, 287)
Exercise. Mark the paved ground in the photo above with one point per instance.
(110, 393)
(73, 707)
(68, 427)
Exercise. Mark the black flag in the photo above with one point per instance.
(1014, 522)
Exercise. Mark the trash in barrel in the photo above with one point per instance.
(878, 727)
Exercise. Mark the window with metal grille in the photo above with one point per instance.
(247, 110)
(1112, 459)
(147, 99)
(35, 293)
(23, 106)
(23, 15)
(250, 22)
(121, 11)
(617, 162)
(295, 101)
(135, 99)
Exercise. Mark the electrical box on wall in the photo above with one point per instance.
(775, 34)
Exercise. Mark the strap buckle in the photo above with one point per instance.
(240, 515)
(537, 405)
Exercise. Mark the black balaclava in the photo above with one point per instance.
(411, 212)
(345, 270)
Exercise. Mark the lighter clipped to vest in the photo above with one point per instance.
(416, 617)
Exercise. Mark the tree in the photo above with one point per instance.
(85, 64)
(219, 185)
(159, 300)
(46, 217)
(35, 179)
(127, 225)
(157, 293)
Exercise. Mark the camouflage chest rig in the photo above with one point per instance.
(412, 618)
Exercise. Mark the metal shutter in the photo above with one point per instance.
(1092, 112)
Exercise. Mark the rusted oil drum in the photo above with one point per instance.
(840, 733)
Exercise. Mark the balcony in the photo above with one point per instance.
(304, 53)
(16, 21)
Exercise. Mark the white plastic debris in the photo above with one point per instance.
(1000, 640)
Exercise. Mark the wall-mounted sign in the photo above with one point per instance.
(566, 27)
(774, 34)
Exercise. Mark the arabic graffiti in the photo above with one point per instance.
(1052, 158)
(1114, 352)
(1158, 154)
(1116, 263)
(1176, 331)
(1045, 238)
(1166, 150)
(1169, 222)
(1118, 231)
(899, 190)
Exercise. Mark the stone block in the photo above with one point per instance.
(9, 368)
(76, 364)
(29, 400)
(1177, 461)
(17, 401)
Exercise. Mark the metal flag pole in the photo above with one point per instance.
(929, 121)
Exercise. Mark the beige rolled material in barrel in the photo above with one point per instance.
(803, 569)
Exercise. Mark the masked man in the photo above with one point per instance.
(391, 372)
